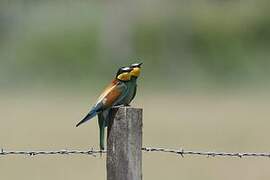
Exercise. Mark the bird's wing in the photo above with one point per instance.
(112, 94)
(134, 94)
(105, 91)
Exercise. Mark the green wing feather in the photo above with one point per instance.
(134, 94)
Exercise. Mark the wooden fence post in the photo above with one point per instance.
(124, 144)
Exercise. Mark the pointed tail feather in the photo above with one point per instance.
(101, 123)
(89, 116)
(101, 138)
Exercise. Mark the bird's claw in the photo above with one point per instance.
(118, 106)
(122, 105)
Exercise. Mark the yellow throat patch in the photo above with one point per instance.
(124, 76)
(135, 72)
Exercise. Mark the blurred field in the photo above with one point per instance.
(217, 42)
(228, 121)
(204, 84)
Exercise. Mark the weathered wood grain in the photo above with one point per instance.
(124, 143)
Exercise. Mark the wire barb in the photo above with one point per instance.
(2, 151)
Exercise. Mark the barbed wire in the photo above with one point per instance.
(93, 152)
(183, 152)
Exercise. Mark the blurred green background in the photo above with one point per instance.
(204, 85)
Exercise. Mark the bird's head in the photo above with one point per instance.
(123, 74)
(136, 69)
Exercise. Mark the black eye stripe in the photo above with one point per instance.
(123, 69)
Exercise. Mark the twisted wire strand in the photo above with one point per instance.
(93, 152)
(183, 152)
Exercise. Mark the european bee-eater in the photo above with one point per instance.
(115, 92)
(132, 84)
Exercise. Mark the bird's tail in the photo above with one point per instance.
(89, 116)
(101, 123)
(101, 138)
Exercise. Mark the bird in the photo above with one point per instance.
(132, 84)
(114, 93)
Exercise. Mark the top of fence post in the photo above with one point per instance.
(124, 144)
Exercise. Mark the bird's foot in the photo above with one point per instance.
(122, 105)
(119, 106)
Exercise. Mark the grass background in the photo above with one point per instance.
(219, 121)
